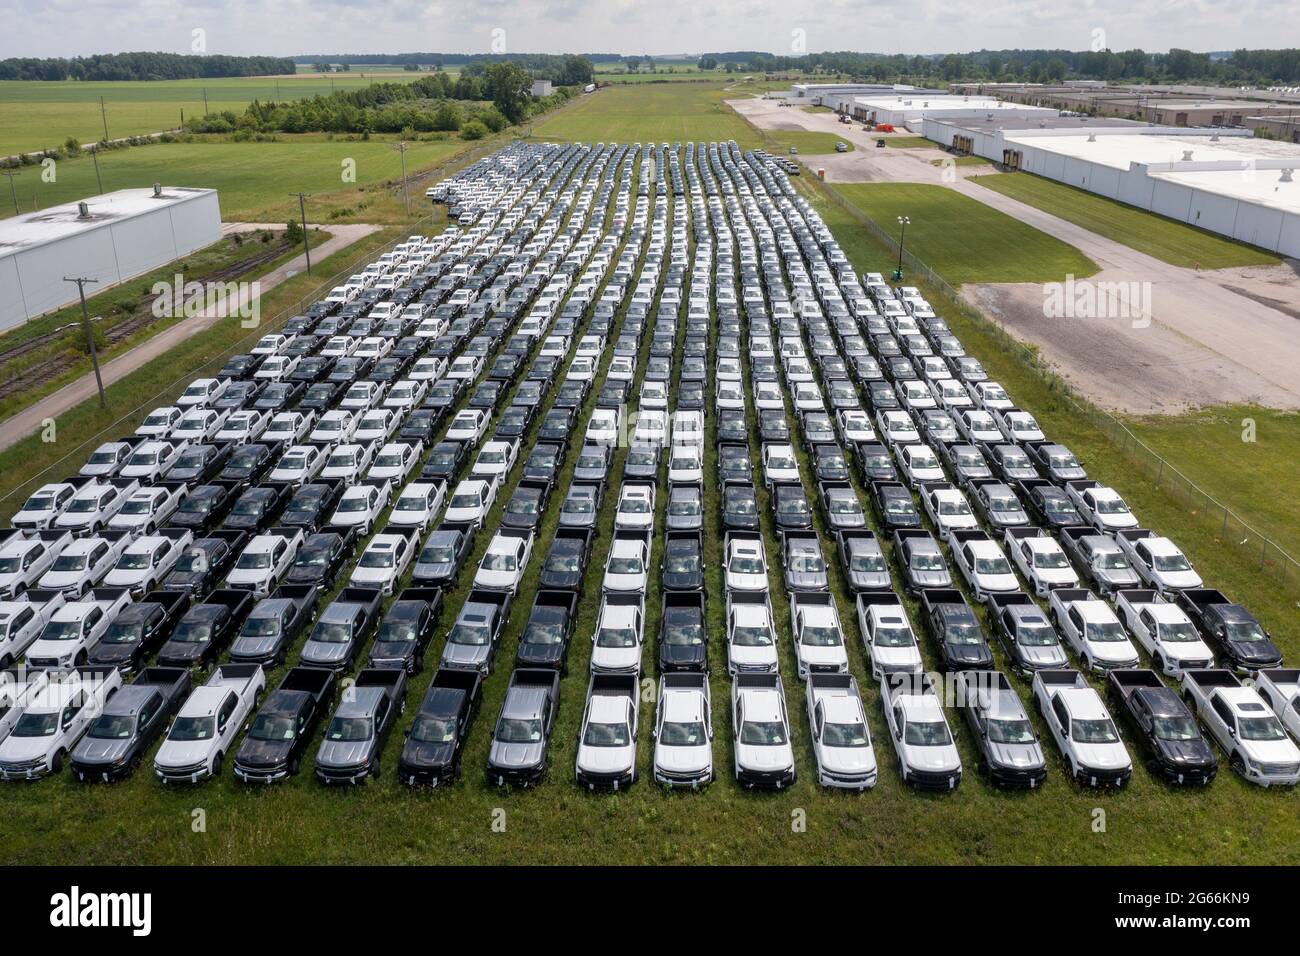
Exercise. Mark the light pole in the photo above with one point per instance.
(903, 223)
(401, 147)
(90, 335)
(12, 188)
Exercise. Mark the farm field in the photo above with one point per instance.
(41, 115)
(964, 240)
(255, 180)
(664, 112)
(1166, 239)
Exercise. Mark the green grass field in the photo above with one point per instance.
(40, 115)
(1166, 239)
(662, 112)
(910, 142)
(254, 179)
(808, 142)
(964, 240)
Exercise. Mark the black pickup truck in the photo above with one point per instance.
(138, 630)
(545, 640)
(956, 630)
(404, 634)
(130, 722)
(1245, 645)
(1167, 728)
(207, 629)
(436, 739)
(273, 747)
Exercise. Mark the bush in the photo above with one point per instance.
(474, 129)
(293, 232)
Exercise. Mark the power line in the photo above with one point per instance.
(90, 335)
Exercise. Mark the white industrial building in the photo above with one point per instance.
(1224, 181)
(109, 238)
(906, 107)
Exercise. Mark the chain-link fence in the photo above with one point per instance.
(1229, 528)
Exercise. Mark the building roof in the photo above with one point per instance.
(33, 229)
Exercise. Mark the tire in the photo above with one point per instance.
(295, 765)
(216, 764)
(56, 762)
(1237, 764)
(375, 767)
(1158, 662)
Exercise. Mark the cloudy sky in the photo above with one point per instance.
(657, 27)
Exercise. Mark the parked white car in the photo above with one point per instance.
(264, 561)
(1041, 560)
(683, 734)
(361, 505)
(764, 755)
(74, 628)
(82, 564)
(502, 565)
(842, 746)
(52, 720)
(148, 560)
(384, 561)
(24, 560)
(922, 740)
(417, 504)
(1164, 631)
(208, 723)
(1082, 728)
(1092, 630)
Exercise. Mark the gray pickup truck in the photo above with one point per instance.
(366, 713)
(132, 719)
(519, 752)
(342, 629)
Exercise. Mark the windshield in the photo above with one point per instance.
(36, 725)
(963, 633)
(518, 731)
(1171, 562)
(1111, 561)
(820, 636)
(1093, 732)
(112, 727)
(1109, 632)
(64, 562)
(475, 635)
(349, 729)
(499, 562)
(138, 506)
(373, 558)
(893, 636)
(845, 735)
(1261, 728)
(433, 730)
(1245, 631)
(1010, 732)
(253, 562)
(616, 637)
(927, 561)
(326, 632)
(688, 734)
(1179, 633)
(929, 733)
(193, 728)
(272, 727)
(992, 566)
(606, 735)
(1175, 728)
(121, 633)
(762, 733)
(190, 633)
(760, 636)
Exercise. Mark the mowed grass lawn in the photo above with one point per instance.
(40, 115)
(964, 240)
(652, 113)
(808, 142)
(254, 179)
(1166, 239)
(1253, 478)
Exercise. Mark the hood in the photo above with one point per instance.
(419, 755)
(1101, 756)
(615, 658)
(1257, 653)
(683, 522)
(263, 753)
(469, 656)
(183, 753)
(515, 756)
(123, 579)
(180, 653)
(870, 580)
(242, 522)
(1016, 756)
(763, 758)
(1113, 652)
(185, 580)
(114, 654)
(684, 760)
(1181, 579)
(94, 750)
(683, 656)
(808, 580)
(540, 655)
(395, 652)
(969, 655)
(344, 754)
(934, 759)
(22, 749)
(53, 650)
(931, 579)
(310, 575)
(605, 759)
(849, 760)
(897, 658)
(321, 652)
(1115, 580)
(1040, 656)
(753, 657)
(255, 647)
(433, 573)
(1186, 753)
(681, 581)
(54, 580)
(561, 580)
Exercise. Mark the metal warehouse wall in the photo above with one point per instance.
(31, 280)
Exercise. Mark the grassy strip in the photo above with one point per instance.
(1166, 239)
(964, 240)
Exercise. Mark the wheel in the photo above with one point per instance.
(56, 762)
(81, 660)
(1237, 764)
(294, 764)
(1158, 661)
(216, 764)
(375, 767)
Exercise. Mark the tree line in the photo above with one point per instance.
(142, 66)
(566, 69)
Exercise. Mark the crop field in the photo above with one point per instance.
(655, 113)
(1166, 239)
(138, 821)
(255, 180)
(965, 240)
(41, 115)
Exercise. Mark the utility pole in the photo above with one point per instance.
(12, 188)
(302, 211)
(90, 336)
(103, 112)
(94, 155)
(401, 148)
(205, 101)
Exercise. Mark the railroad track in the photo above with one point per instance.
(141, 318)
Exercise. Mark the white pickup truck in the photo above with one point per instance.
(21, 621)
(764, 756)
(683, 734)
(23, 560)
(52, 721)
(75, 627)
(95, 504)
(887, 634)
(1280, 689)
(841, 741)
(84, 563)
(1041, 560)
(149, 508)
(1091, 628)
(208, 723)
(818, 635)
(923, 741)
(607, 739)
(1158, 561)
(1164, 630)
(16, 686)
(1082, 728)
(265, 561)
(751, 633)
(148, 560)
(1242, 724)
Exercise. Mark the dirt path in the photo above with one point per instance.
(29, 420)
(1226, 335)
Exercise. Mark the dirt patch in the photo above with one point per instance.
(1143, 371)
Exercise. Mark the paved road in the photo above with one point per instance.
(1217, 336)
(29, 420)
